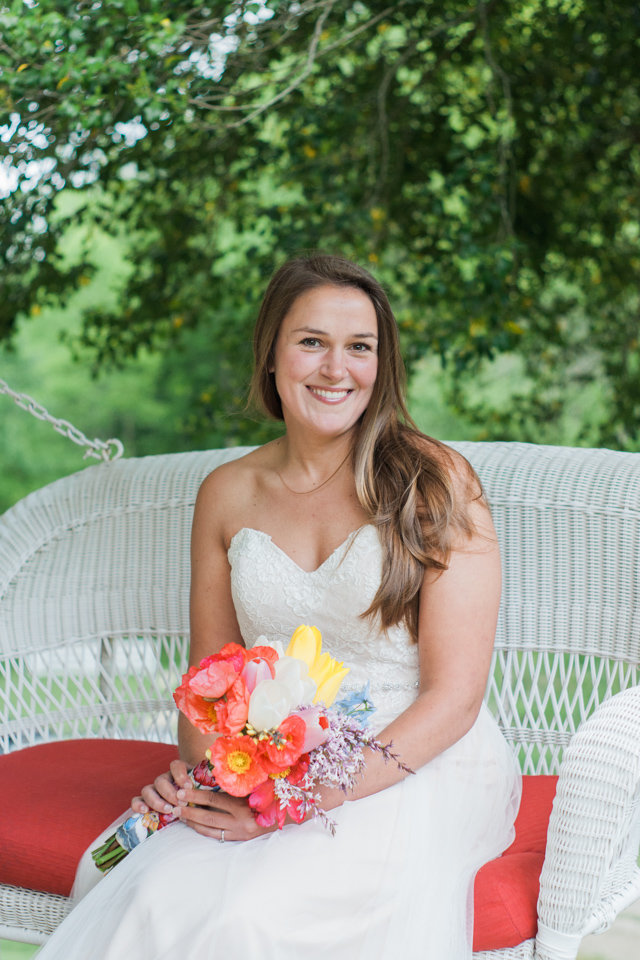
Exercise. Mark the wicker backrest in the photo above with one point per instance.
(568, 637)
(94, 587)
(94, 582)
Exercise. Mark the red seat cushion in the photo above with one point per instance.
(68, 792)
(60, 796)
(506, 889)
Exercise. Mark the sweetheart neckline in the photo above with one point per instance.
(348, 540)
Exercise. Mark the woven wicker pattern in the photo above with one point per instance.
(94, 630)
(524, 951)
(29, 916)
(94, 585)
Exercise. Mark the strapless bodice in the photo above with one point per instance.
(273, 596)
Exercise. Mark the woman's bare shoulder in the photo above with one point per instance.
(234, 484)
(225, 478)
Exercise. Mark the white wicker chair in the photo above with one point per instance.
(94, 583)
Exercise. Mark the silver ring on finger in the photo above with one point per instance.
(221, 837)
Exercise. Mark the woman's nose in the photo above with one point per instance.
(333, 365)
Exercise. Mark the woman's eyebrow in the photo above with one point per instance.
(323, 333)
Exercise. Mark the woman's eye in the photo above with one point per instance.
(360, 347)
(310, 342)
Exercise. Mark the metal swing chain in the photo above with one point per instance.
(110, 450)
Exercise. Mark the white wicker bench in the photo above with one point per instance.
(94, 578)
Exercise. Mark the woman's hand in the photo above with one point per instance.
(218, 815)
(162, 794)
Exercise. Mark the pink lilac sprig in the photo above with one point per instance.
(307, 802)
(340, 760)
(388, 754)
(337, 762)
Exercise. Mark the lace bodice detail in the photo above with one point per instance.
(273, 596)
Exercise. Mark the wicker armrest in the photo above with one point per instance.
(590, 871)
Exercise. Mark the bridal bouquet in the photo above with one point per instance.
(280, 733)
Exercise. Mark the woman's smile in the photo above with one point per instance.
(326, 395)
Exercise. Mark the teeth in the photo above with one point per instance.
(330, 394)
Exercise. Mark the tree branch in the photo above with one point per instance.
(302, 76)
(505, 154)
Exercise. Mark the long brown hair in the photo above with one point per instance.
(404, 479)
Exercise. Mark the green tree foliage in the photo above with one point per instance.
(481, 157)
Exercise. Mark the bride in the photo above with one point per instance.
(355, 522)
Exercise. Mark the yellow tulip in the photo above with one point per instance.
(324, 670)
(305, 644)
(329, 687)
(321, 668)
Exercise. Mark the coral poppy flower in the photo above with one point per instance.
(181, 691)
(232, 710)
(260, 652)
(283, 748)
(295, 809)
(217, 676)
(299, 771)
(266, 807)
(233, 653)
(200, 712)
(236, 765)
(213, 680)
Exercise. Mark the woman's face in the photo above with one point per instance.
(326, 359)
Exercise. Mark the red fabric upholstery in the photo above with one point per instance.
(506, 890)
(59, 796)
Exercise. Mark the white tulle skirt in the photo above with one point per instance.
(395, 881)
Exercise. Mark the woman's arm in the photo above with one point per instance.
(457, 624)
(213, 623)
(212, 615)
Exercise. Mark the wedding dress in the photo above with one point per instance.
(397, 878)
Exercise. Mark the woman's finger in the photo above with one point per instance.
(215, 833)
(207, 819)
(179, 772)
(155, 800)
(202, 797)
(166, 787)
(238, 823)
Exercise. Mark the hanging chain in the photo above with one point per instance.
(101, 450)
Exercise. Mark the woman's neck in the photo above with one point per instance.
(306, 463)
